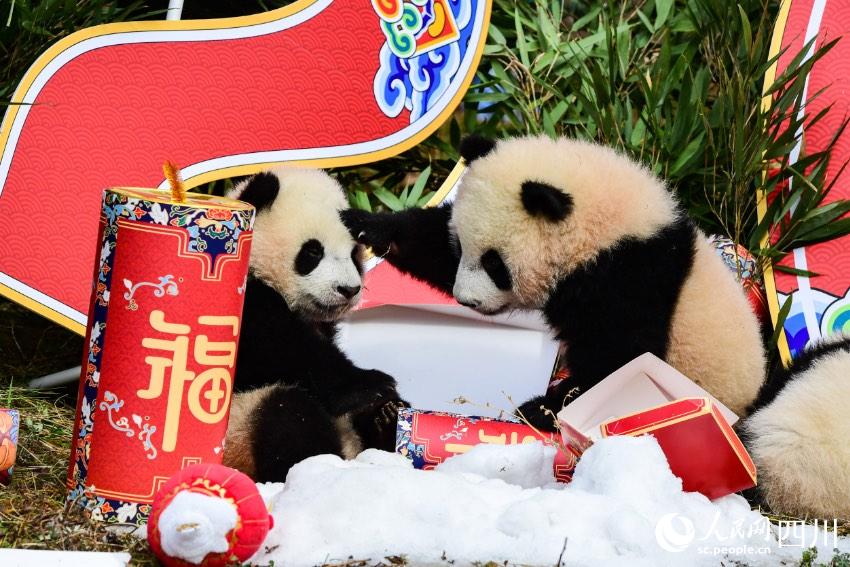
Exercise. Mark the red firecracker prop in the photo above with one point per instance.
(428, 438)
(163, 331)
(211, 515)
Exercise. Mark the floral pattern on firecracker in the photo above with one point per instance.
(111, 403)
(735, 256)
(166, 285)
(211, 231)
(407, 447)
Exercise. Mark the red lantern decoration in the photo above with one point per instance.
(209, 481)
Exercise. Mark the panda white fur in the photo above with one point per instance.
(298, 394)
(600, 246)
(798, 434)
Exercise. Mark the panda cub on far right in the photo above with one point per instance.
(798, 434)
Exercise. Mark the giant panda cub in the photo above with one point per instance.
(798, 434)
(298, 394)
(600, 246)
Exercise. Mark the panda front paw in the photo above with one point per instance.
(374, 230)
(540, 412)
(364, 393)
(377, 428)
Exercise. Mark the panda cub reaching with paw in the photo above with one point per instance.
(298, 394)
(599, 245)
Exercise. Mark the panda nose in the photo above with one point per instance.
(348, 291)
(471, 303)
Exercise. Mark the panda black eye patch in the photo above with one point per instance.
(456, 247)
(309, 256)
(357, 258)
(492, 263)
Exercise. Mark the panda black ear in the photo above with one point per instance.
(261, 190)
(473, 147)
(542, 199)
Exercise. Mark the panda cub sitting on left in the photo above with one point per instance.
(298, 394)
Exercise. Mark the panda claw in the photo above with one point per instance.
(388, 414)
(386, 419)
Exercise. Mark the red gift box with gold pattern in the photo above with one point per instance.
(648, 396)
(700, 445)
(428, 438)
(161, 346)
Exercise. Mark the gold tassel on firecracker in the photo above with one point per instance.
(178, 190)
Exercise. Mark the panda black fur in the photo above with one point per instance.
(798, 434)
(599, 245)
(298, 395)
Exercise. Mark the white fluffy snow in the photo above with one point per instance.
(194, 525)
(624, 507)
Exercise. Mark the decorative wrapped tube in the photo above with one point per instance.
(163, 328)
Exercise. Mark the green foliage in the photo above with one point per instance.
(809, 559)
(410, 197)
(677, 85)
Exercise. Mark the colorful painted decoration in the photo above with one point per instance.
(158, 368)
(9, 423)
(739, 260)
(318, 82)
(820, 306)
(208, 515)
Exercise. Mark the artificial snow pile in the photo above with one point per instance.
(501, 504)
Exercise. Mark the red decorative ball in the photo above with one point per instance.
(220, 496)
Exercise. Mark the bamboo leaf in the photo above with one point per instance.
(388, 199)
(520, 40)
(662, 12)
(418, 187)
(794, 271)
(781, 317)
(425, 199)
(746, 29)
(360, 200)
(690, 152)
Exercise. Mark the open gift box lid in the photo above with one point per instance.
(643, 383)
(648, 396)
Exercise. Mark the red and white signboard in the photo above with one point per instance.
(320, 82)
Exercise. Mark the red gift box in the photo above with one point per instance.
(648, 396)
(699, 443)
